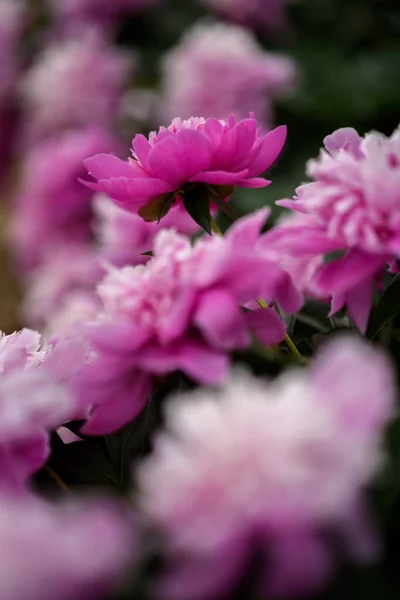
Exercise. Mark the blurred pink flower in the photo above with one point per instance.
(218, 69)
(34, 400)
(76, 82)
(234, 471)
(352, 205)
(52, 208)
(171, 162)
(61, 292)
(266, 15)
(73, 550)
(180, 311)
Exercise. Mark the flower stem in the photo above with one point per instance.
(56, 478)
(222, 205)
(215, 227)
(288, 340)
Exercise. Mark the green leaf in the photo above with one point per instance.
(157, 208)
(388, 307)
(197, 203)
(335, 255)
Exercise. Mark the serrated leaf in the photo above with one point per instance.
(197, 203)
(388, 307)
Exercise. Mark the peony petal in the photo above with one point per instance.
(236, 146)
(270, 148)
(359, 303)
(134, 192)
(246, 232)
(176, 159)
(221, 320)
(121, 408)
(267, 325)
(141, 148)
(214, 130)
(344, 274)
(115, 336)
(193, 357)
(257, 182)
(219, 177)
(105, 166)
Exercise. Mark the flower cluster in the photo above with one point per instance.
(181, 311)
(273, 468)
(218, 69)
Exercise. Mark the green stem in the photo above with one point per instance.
(289, 342)
(56, 478)
(222, 205)
(215, 227)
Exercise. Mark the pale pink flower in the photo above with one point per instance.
(51, 206)
(74, 550)
(352, 205)
(34, 401)
(75, 82)
(263, 15)
(172, 161)
(272, 466)
(218, 69)
(180, 311)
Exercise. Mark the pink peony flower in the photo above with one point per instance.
(180, 311)
(260, 14)
(169, 164)
(34, 401)
(234, 470)
(52, 207)
(75, 550)
(218, 69)
(350, 206)
(76, 82)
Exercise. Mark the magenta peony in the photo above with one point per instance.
(270, 468)
(170, 164)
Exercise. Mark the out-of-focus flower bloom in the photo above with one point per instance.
(218, 69)
(75, 15)
(75, 550)
(123, 237)
(350, 207)
(33, 400)
(270, 468)
(76, 82)
(260, 14)
(181, 311)
(52, 207)
(61, 292)
(173, 161)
